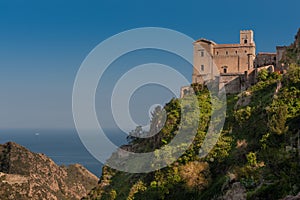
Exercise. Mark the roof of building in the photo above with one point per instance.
(205, 40)
(266, 53)
(225, 45)
(281, 47)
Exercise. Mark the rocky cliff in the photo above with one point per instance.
(28, 175)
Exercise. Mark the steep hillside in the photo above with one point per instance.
(257, 155)
(27, 175)
(292, 54)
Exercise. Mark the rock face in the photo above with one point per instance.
(297, 197)
(236, 192)
(27, 175)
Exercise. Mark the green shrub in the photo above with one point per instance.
(263, 75)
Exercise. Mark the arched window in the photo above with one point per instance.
(246, 41)
(224, 69)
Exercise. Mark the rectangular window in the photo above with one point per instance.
(202, 67)
(202, 53)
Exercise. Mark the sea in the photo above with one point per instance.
(64, 147)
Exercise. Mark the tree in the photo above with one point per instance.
(277, 119)
(293, 74)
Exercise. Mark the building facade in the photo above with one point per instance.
(231, 63)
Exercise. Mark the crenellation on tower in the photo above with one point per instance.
(246, 37)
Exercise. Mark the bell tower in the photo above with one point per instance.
(246, 37)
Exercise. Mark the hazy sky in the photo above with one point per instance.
(43, 43)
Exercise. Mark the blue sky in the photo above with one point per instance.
(43, 43)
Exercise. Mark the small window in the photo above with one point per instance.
(225, 70)
(202, 53)
(235, 52)
(245, 51)
(217, 53)
(202, 67)
(226, 52)
(185, 91)
(245, 41)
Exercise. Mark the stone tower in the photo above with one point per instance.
(246, 37)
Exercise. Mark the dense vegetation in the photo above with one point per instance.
(257, 155)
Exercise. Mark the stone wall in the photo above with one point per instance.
(280, 52)
(233, 83)
(270, 68)
(263, 59)
(185, 90)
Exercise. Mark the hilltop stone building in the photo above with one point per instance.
(235, 66)
(234, 63)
